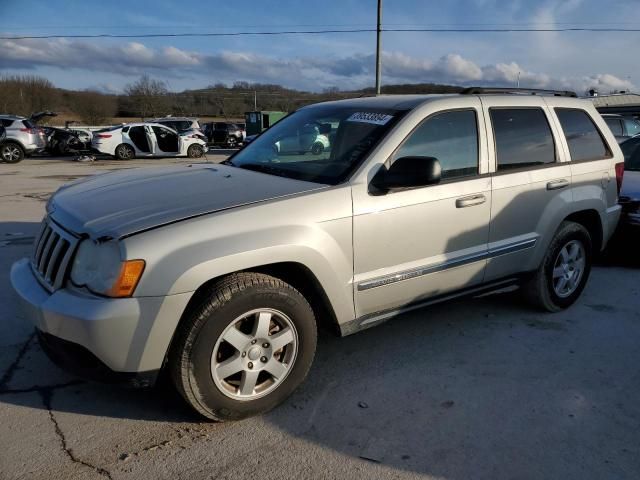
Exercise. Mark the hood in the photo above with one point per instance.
(121, 203)
(630, 186)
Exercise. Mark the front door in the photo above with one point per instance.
(167, 141)
(413, 245)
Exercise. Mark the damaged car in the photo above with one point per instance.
(133, 140)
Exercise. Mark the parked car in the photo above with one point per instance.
(23, 137)
(622, 126)
(147, 140)
(307, 139)
(224, 134)
(179, 124)
(220, 274)
(630, 193)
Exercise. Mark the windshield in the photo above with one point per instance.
(321, 144)
(630, 149)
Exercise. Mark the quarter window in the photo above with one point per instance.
(615, 125)
(451, 137)
(632, 126)
(584, 139)
(523, 138)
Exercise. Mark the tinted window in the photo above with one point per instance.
(615, 125)
(632, 126)
(451, 137)
(6, 123)
(523, 137)
(631, 150)
(584, 139)
(29, 124)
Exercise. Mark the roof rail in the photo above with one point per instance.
(528, 91)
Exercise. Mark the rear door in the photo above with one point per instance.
(140, 139)
(531, 182)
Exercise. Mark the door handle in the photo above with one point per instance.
(558, 184)
(465, 202)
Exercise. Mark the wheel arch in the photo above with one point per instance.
(295, 274)
(590, 219)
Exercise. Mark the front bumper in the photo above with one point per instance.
(127, 337)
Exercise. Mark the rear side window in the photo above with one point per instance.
(6, 122)
(523, 138)
(584, 139)
(615, 125)
(632, 126)
(451, 137)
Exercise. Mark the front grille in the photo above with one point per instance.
(52, 254)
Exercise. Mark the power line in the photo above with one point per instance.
(319, 32)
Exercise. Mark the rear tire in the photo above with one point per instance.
(11, 152)
(564, 270)
(195, 151)
(271, 328)
(124, 152)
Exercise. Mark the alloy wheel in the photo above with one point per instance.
(10, 153)
(569, 268)
(254, 354)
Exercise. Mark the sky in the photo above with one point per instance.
(575, 60)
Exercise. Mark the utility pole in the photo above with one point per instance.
(255, 100)
(518, 84)
(378, 42)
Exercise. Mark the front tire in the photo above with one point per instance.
(317, 148)
(11, 152)
(124, 152)
(564, 270)
(245, 348)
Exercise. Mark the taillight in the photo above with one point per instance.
(33, 131)
(619, 175)
(103, 135)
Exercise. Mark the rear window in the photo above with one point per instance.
(28, 124)
(583, 137)
(523, 138)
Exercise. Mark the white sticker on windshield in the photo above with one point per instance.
(370, 117)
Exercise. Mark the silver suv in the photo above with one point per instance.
(179, 124)
(23, 137)
(221, 274)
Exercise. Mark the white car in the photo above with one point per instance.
(148, 140)
(308, 139)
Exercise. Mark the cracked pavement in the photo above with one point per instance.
(479, 388)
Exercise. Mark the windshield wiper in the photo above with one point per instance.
(260, 167)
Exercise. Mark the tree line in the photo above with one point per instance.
(148, 97)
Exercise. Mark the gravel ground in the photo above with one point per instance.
(479, 388)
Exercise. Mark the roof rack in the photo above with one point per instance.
(528, 91)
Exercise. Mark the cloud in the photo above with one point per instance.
(314, 73)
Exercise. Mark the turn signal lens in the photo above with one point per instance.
(128, 279)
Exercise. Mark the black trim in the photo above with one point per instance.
(530, 91)
(78, 360)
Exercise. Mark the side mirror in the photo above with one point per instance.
(408, 172)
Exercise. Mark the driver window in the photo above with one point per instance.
(451, 137)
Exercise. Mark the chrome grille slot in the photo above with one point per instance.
(52, 254)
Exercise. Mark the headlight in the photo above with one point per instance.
(100, 269)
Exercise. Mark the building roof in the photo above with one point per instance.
(616, 100)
